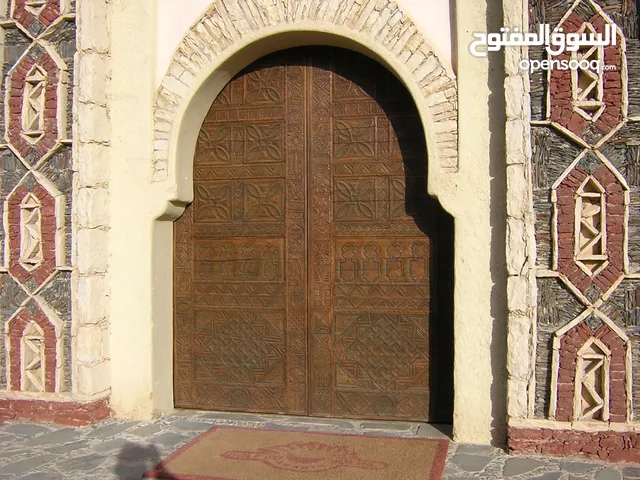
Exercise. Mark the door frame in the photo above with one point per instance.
(181, 104)
(437, 400)
(183, 140)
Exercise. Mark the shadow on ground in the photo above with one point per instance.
(135, 459)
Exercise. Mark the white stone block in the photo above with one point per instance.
(93, 379)
(92, 123)
(438, 84)
(517, 396)
(518, 347)
(89, 344)
(514, 93)
(93, 25)
(92, 299)
(415, 42)
(93, 164)
(516, 246)
(513, 13)
(517, 191)
(92, 78)
(92, 207)
(516, 141)
(448, 126)
(161, 145)
(512, 58)
(429, 66)
(175, 86)
(104, 350)
(437, 99)
(162, 157)
(518, 294)
(163, 127)
(159, 175)
(415, 60)
(92, 250)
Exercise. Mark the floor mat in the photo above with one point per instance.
(231, 453)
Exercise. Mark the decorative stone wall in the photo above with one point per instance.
(583, 383)
(36, 176)
(43, 342)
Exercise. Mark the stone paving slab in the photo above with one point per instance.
(124, 450)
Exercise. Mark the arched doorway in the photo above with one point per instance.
(312, 273)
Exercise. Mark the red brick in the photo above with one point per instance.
(590, 449)
(584, 284)
(632, 456)
(612, 442)
(617, 417)
(552, 449)
(565, 227)
(64, 413)
(571, 448)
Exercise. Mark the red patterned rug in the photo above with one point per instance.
(230, 453)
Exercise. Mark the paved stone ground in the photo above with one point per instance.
(121, 450)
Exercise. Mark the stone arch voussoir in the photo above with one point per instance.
(227, 22)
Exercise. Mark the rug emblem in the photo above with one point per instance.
(307, 457)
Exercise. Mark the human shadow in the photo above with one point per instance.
(135, 460)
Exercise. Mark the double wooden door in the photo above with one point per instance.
(303, 267)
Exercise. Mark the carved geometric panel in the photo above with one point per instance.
(265, 86)
(263, 143)
(396, 260)
(33, 351)
(32, 364)
(35, 90)
(33, 104)
(589, 102)
(35, 16)
(36, 178)
(590, 205)
(240, 201)
(401, 343)
(32, 228)
(239, 347)
(239, 260)
(590, 231)
(592, 373)
(592, 382)
(354, 138)
(31, 255)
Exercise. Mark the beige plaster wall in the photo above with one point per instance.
(141, 209)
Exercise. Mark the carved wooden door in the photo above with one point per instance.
(303, 265)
